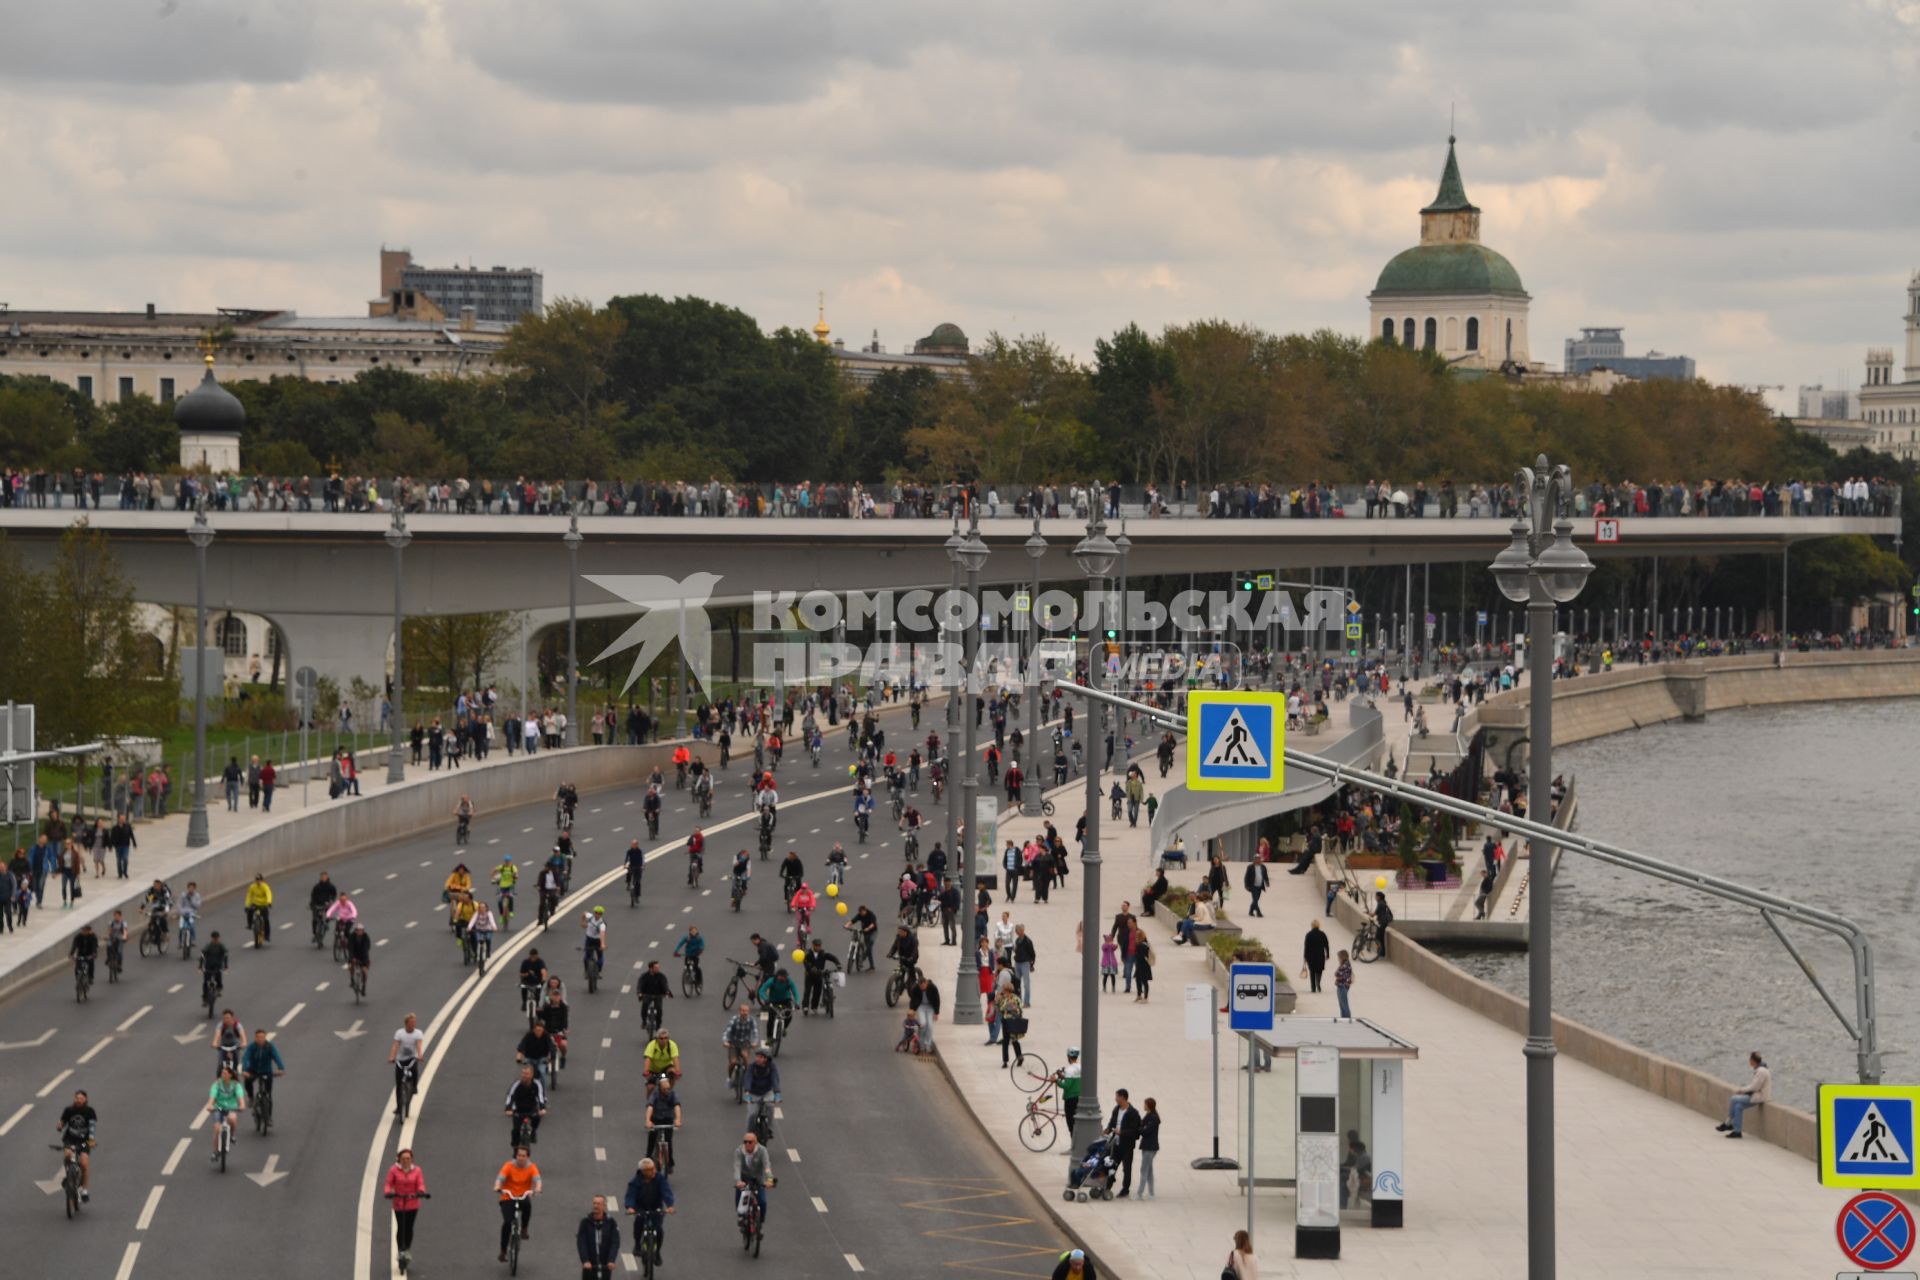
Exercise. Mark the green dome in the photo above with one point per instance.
(1449, 268)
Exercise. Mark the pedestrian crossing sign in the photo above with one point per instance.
(1353, 631)
(1867, 1136)
(1235, 741)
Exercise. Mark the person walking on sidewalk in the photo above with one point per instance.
(1109, 963)
(1013, 1025)
(1317, 950)
(1023, 961)
(1758, 1092)
(1142, 970)
(1240, 1263)
(1149, 1146)
(253, 783)
(1256, 882)
(1342, 984)
(231, 777)
(268, 777)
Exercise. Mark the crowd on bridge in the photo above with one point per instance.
(716, 498)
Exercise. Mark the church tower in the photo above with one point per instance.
(1913, 328)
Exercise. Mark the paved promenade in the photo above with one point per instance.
(1646, 1187)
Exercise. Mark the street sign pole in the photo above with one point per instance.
(1216, 1160)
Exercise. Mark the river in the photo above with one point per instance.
(1815, 802)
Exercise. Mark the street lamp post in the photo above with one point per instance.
(573, 540)
(956, 692)
(1543, 568)
(1036, 549)
(1122, 544)
(1095, 555)
(397, 538)
(966, 992)
(200, 533)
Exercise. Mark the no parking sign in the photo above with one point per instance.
(1875, 1231)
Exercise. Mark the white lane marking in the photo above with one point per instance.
(381, 943)
(88, 1056)
(618, 830)
(427, 863)
(594, 810)
(15, 1119)
(54, 1083)
(853, 1262)
(323, 986)
(650, 946)
(598, 1114)
(613, 1013)
(176, 988)
(629, 803)
(452, 1015)
(350, 892)
(683, 911)
(779, 1114)
(706, 893)
(393, 875)
(625, 987)
(495, 840)
(173, 1161)
(136, 1016)
(126, 1262)
(411, 924)
(862, 855)
(199, 1120)
(599, 1074)
(606, 1042)
(600, 1154)
(524, 831)
(819, 1205)
(626, 1259)
(639, 964)
(153, 1203)
(793, 1154)
(291, 1014)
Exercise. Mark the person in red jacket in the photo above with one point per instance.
(406, 1187)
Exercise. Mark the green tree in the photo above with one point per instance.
(455, 651)
(1017, 418)
(880, 417)
(40, 421)
(134, 434)
(564, 358)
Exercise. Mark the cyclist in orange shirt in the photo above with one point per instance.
(681, 759)
(517, 1182)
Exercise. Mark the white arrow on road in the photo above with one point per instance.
(269, 1175)
(31, 1044)
(50, 1186)
(352, 1031)
(196, 1034)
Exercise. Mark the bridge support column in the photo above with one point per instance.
(339, 647)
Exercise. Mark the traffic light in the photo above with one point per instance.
(1112, 634)
(1246, 584)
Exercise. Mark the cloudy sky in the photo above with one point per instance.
(1738, 180)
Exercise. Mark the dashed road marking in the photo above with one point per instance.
(126, 1262)
(793, 1154)
(600, 1154)
(625, 987)
(176, 988)
(854, 1262)
(291, 1014)
(173, 1161)
(650, 946)
(606, 1042)
(393, 875)
(819, 1205)
(138, 1014)
(599, 1074)
(147, 1211)
(495, 840)
(814, 832)
(381, 943)
(412, 923)
(618, 830)
(54, 1083)
(427, 863)
(598, 1113)
(613, 1013)
(686, 910)
(15, 1119)
(323, 986)
(525, 830)
(706, 893)
(199, 1119)
(89, 1054)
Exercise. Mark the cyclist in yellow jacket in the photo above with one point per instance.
(259, 903)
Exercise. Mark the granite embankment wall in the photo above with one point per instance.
(1628, 698)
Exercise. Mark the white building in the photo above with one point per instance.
(1450, 294)
(1893, 407)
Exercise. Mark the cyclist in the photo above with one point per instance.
(655, 780)
(697, 847)
(259, 903)
(681, 759)
(692, 947)
(359, 949)
(597, 1241)
(906, 949)
(738, 1038)
(913, 769)
(407, 1053)
(776, 747)
(766, 956)
(778, 996)
(155, 905)
(662, 1056)
(344, 910)
(837, 865)
(595, 926)
(213, 961)
(78, 1127)
(190, 904)
(566, 799)
(536, 1050)
(533, 975)
(864, 926)
(259, 1065)
(767, 804)
(818, 958)
(555, 1012)
(863, 810)
(462, 819)
(461, 912)
(563, 850)
(552, 884)
(663, 1112)
(506, 875)
(323, 895)
(636, 863)
(481, 928)
(741, 872)
(815, 743)
(526, 1102)
(703, 787)
(229, 1038)
(117, 940)
(224, 1099)
(763, 1078)
(790, 872)
(517, 1182)
(648, 1200)
(802, 903)
(652, 989)
(459, 882)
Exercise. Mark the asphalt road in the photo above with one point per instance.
(879, 1168)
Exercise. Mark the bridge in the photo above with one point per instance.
(325, 579)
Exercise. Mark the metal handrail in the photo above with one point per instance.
(1862, 1028)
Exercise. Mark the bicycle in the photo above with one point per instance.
(115, 957)
(340, 948)
(520, 1212)
(222, 1137)
(405, 1085)
(837, 874)
(594, 961)
(661, 1152)
(503, 910)
(189, 934)
(778, 1016)
(481, 944)
(260, 1095)
(210, 990)
(633, 888)
(859, 951)
(760, 1118)
(1029, 1073)
(732, 994)
(530, 1002)
(680, 776)
(690, 978)
(897, 984)
(752, 1222)
(257, 923)
(83, 979)
(69, 1175)
(899, 806)
(737, 1072)
(319, 915)
(650, 1014)
(860, 823)
(1039, 1126)
(653, 825)
(912, 844)
(649, 1243)
(563, 817)
(153, 938)
(766, 841)
(463, 828)
(548, 901)
(357, 979)
(1366, 943)
(826, 991)
(739, 891)
(696, 864)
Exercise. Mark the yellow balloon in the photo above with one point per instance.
(852, 769)
(1379, 882)
(833, 891)
(799, 956)
(840, 907)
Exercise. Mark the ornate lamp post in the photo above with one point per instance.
(1036, 549)
(1095, 555)
(1544, 569)
(200, 533)
(972, 555)
(573, 540)
(397, 538)
(956, 693)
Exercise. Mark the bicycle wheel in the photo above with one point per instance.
(1028, 1073)
(73, 1194)
(186, 945)
(80, 985)
(896, 986)
(730, 994)
(593, 976)
(1038, 1131)
(689, 984)
(513, 1249)
(827, 992)
(149, 945)
(211, 995)
(481, 952)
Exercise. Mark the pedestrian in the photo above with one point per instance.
(1382, 917)
(1342, 984)
(406, 1186)
(924, 1000)
(72, 865)
(1123, 1134)
(1256, 882)
(253, 783)
(1149, 1146)
(1315, 954)
(1013, 1024)
(9, 890)
(268, 776)
(1484, 898)
(1023, 963)
(230, 776)
(1240, 1263)
(1074, 1264)
(1758, 1092)
(1010, 861)
(1142, 970)
(1109, 963)
(121, 837)
(96, 843)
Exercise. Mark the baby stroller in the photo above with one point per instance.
(1091, 1177)
(910, 1036)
